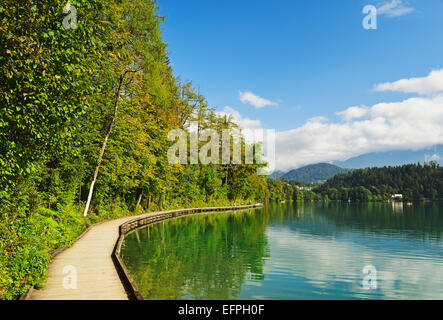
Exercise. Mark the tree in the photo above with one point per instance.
(105, 141)
(45, 76)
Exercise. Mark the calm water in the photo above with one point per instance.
(292, 252)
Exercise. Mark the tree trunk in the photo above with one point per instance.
(149, 201)
(162, 201)
(139, 200)
(102, 150)
(138, 237)
(79, 197)
(226, 175)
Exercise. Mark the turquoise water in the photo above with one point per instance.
(291, 251)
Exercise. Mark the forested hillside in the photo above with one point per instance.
(313, 173)
(93, 105)
(414, 182)
(276, 174)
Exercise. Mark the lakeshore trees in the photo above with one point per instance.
(58, 98)
(415, 182)
(60, 93)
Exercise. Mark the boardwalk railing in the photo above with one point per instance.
(129, 283)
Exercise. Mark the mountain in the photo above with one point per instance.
(393, 158)
(313, 173)
(412, 181)
(276, 174)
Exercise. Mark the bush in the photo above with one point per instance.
(27, 243)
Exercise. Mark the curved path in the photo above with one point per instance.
(90, 260)
(97, 277)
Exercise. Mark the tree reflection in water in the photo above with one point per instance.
(207, 256)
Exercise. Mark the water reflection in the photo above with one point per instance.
(314, 251)
(199, 257)
(397, 207)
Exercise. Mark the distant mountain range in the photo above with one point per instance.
(276, 174)
(324, 171)
(393, 158)
(313, 173)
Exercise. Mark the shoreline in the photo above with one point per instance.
(96, 251)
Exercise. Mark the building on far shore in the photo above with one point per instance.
(303, 188)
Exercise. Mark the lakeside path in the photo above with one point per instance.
(91, 256)
(97, 277)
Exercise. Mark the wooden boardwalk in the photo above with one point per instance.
(97, 278)
(91, 258)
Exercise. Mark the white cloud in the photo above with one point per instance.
(433, 83)
(244, 123)
(354, 112)
(394, 8)
(434, 157)
(411, 124)
(254, 100)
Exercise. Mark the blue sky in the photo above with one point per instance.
(311, 58)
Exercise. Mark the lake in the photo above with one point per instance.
(293, 251)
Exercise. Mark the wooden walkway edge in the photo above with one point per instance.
(89, 263)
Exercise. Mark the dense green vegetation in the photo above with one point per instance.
(276, 174)
(97, 101)
(281, 191)
(313, 173)
(414, 182)
(94, 106)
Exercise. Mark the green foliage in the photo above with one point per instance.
(57, 97)
(44, 80)
(312, 173)
(414, 182)
(26, 243)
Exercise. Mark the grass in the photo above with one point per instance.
(27, 241)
